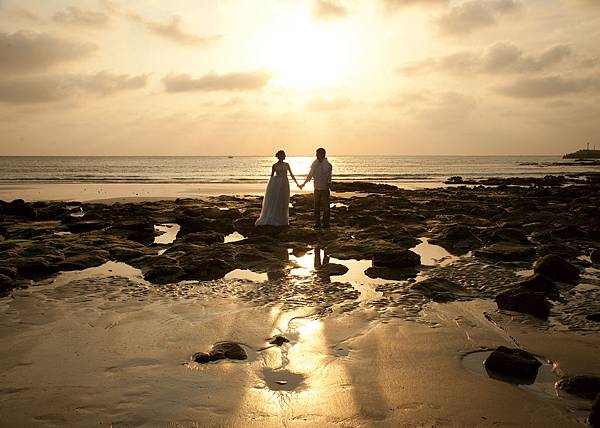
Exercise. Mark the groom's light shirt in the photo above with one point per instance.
(321, 173)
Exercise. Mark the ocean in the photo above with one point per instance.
(256, 169)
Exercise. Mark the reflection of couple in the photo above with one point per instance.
(275, 207)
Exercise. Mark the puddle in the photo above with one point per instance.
(339, 205)
(542, 386)
(282, 380)
(168, 233)
(525, 273)
(62, 233)
(248, 275)
(433, 255)
(108, 269)
(234, 237)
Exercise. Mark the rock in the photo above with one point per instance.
(279, 340)
(87, 226)
(396, 259)
(83, 261)
(439, 289)
(221, 351)
(506, 251)
(164, 274)
(595, 256)
(6, 283)
(524, 301)
(139, 230)
(205, 269)
(123, 254)
(391, 274)
(35, 267)
(556, 268)
(560, 249)
(458, 238)
(514, 364)
(508, 234)
(331, 269)
(594, 417)
(540, 284)
(363, 187)
(19, 208)
(206, 238)
(593, 317)
(587, 387)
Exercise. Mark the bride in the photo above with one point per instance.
(275, 207)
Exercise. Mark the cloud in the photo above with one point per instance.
(500, 57)
(21, 14)
(172, 30)
(325, 105)
(240, 81)
(25, 52)
(548, 86)
(397, 4)
(328, 9)
(472, 15)
(43, 89)
(440, 109)
(82, 17)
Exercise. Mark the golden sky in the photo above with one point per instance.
(246, 77)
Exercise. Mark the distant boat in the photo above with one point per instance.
(584, 154)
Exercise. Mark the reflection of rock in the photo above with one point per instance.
(524, 301)
(506, 251)
(396, 259)
(587, 387)
(556, 268)
(221, 351)
(439, 289)
(513, 363)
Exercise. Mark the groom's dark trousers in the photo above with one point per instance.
(322, 204)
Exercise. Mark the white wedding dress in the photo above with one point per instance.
(275, 208)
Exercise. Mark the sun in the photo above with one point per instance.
(304, 53)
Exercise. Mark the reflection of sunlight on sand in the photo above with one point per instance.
(306, 264)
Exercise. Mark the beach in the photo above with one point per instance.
(113, 307)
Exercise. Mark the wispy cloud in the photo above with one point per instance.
(82, 17)
(328, 9)
(173, 30)
(441, 108)
(398, 4)
(548, 86)
(464, 18)
(239, 81)
(50, 88)
(26, 52)
(500, 57)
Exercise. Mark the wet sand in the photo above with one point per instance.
(110, 345)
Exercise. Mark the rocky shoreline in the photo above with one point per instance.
(531, 246)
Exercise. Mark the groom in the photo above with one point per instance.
(320, 170)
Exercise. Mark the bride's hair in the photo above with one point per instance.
(279, 153)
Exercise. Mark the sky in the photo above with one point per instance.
(248, 77)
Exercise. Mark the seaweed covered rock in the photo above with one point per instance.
(524, 301)
(221, 351)
(556, 268)
(514, 364)
(587, 387)
(440, 289)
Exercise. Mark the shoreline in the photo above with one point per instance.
(382, 312)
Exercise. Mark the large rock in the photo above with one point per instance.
(514, 364)
(35, 267)
(439, 289)
(507, 234)
(556, 268)
(331, 269)
(458, 238)
(540, 284)
(506, 251)
(391, 274)
(524, 301)
(123, 254)
(207, 237)
(83, 261)
(587, 387)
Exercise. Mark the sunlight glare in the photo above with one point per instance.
(304, 53)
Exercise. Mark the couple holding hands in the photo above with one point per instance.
(275, 207)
